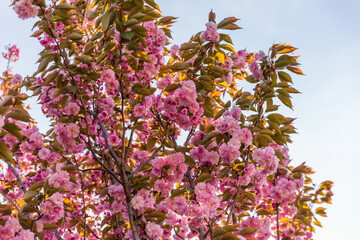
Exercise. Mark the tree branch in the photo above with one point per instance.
(17, 177)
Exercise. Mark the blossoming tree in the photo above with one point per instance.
(149, 140)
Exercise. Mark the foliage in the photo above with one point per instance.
(149, 141)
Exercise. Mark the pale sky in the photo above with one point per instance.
(327, 34)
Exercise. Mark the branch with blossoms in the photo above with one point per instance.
(149, 140)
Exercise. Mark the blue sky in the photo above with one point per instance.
(327, 34)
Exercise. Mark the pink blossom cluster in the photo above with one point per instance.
(25, 9)
(211, 34)
(262, 225)
(208, 200)
(111, 84)
(254, 66)
(143, 200)
(12, 53)
(52, 210)
(14, 231)
(284, 190)
(66, 135)
(204, 156)
(229, 124)
(182, 107)
(266, 158)
(170, 169)
(35, 140)
(239, 59)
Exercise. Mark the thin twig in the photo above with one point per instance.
(147, 161)
(22, 185)
(277, 222)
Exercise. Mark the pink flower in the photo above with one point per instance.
(236, 113)
(154, 230)
(139, 110)
(140, 155)
(164, 82)
(16, 79)
(57, 198)
(211, 33)
(228, 153)
(114, 140)
(25, 9)
(2, 123)
(256, 71)
(259, 56)
(117, 192)
(43, 154)
(72, 109)
(59, 179)
(72, 130)
(212, 158)
(174, 50)
(12, 53)
(137, 202)
(107, 75)
(36, 138)
(26, 235)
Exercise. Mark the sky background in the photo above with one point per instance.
(327, 34)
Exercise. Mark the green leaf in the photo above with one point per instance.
(284, 76)
(179, 66)
(275, 126)
(218, 232)
(283, 92)
(64, 6)
(203, 178)
(36, 186)
(13, 129)
(141, 55)
(73, 223)
(43, 64)
(281, 63)
(250, 196)
(151, 143)
(29, 195)
(139, 89)
(19, 114)
(285, 100)
(28, 208)
(177, 192)
(226, 38)
(262, 212)
(167, 20)
(127, 35)
(227, 47)
(91, 15)
(103, 192)
(189, 160)
(50, 226)
(172, 87)
(223, 173)
(295, 70)
(84, 58)
(251, 79)
(75, 36)
(248, 231)
(5, 153)
(156, 214)
(152, 4)
(226, 22)
(186, 46)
